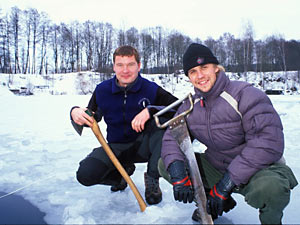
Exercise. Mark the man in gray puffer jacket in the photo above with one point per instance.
(244, 138)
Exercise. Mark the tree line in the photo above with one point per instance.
(30, 43)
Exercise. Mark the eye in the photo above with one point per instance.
(131, 64)
(119, 64)
(191, 72)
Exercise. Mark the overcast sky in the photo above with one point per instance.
(194, 18)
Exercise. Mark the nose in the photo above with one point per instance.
(199, 73)
(125, 68)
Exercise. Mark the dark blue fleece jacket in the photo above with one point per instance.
(119, 106)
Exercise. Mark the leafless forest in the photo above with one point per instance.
(30, 43)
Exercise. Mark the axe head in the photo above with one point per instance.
(77, 127)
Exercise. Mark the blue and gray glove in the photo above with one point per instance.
(182, 185)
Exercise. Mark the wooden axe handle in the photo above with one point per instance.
(118, 165)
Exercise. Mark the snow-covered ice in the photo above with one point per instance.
(40, 149)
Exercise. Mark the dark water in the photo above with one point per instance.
(16, 210)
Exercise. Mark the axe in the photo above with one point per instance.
(113, 158)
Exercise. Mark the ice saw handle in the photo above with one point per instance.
(117, 164)
(166, 109)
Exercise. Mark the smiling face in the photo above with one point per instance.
(126, 69)
(203, 77)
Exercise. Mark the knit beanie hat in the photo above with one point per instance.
(196, 55)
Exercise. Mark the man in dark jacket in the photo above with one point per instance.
(244, 138)
(127, 103)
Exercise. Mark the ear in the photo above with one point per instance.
(221, 68)
(217, 69)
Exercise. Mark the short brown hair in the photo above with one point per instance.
(126, 50)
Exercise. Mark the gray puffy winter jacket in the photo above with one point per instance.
(241, 144)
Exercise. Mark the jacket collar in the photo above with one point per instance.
(219, 86)
(133, 87)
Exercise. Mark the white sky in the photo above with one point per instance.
(194, 18)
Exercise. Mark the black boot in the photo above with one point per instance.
(123, 184)
(230, 203)
(153, 193)
(196, 217)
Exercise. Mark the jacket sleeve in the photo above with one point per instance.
(94, 107)
(263, 136)
(163, 98)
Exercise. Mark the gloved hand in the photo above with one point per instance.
(219, 199)
(182, 186)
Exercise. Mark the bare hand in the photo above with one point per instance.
(80, 117)
(138, 123)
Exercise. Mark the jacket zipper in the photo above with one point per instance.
(208, 116)
(201, 101)
(124, 108)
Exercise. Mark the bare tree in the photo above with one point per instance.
(226, 50)
(159, 48)
(3, 50)
(108, 46)
(176, 45)
(260, 58)
(121, 39)
(64, 40)
(35, 20)
(78, 45)
(281, 50)
(146, 42)
(28, 40)
(272, 56)
(15, 23)
(7, 46)
(212, 44)
(132, 37)
(248, 42)
(292, 49)
(103, 46)
(88, 43)
(44, 31)
(54, 41)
